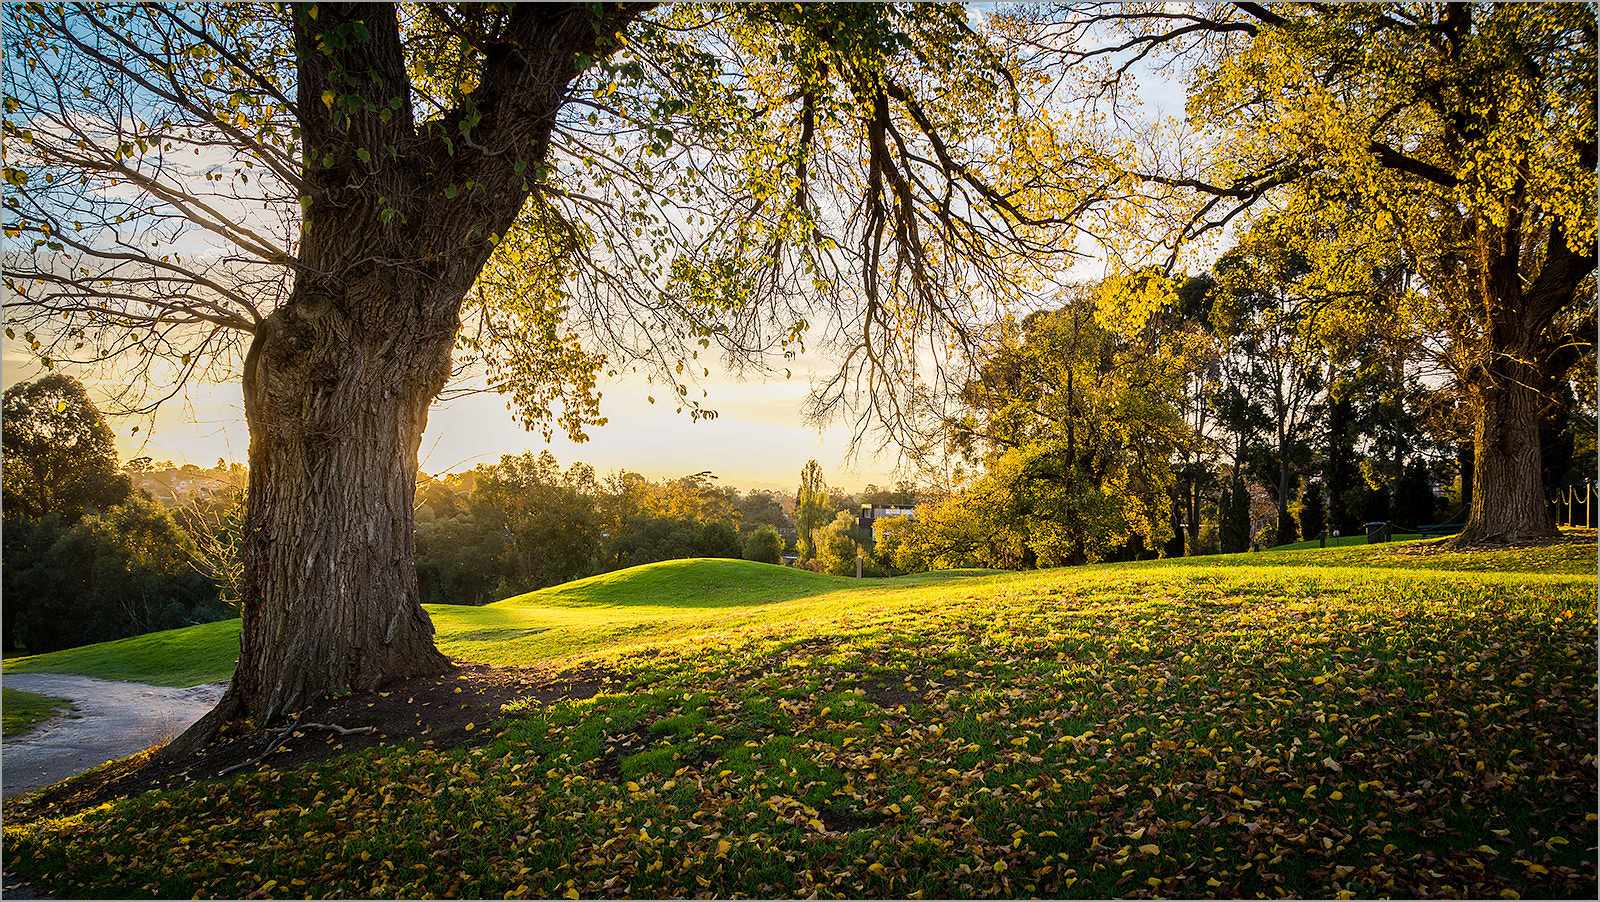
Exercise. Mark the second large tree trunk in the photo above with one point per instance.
(1508, 497)
(1520, 361)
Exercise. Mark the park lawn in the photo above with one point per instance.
(181, 657)
(24, 710)
(1368, 721)
(673, 602)
(1340, 542)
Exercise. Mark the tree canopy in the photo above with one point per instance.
(1447, 149)
(60, 456)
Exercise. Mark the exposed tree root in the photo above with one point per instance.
(288, 730)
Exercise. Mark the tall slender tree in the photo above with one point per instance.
(812, 510)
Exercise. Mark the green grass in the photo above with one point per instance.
(182, 657)
(1366, 721)
(22, 711)
(673, 602)
(1341, 542)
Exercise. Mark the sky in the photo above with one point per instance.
(758, 440)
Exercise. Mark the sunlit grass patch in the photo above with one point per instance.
(181, 657)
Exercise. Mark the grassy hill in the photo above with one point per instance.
(668, 603)
(1365, 721)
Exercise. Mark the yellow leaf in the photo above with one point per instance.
(1137, 834)
(999, 867)
(723, 848)
(469, 727)
(1149, 849)
(632, 786)
(877, 868)
(327, 99)
(1213, 882)
(570, 893)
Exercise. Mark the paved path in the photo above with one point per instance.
(113, 720)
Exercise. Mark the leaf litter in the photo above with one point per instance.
(1136, 734)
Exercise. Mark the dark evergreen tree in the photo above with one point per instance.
(1310, 510)
(1234, 533)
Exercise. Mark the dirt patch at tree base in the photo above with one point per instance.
(433, 711)
(1448, 544)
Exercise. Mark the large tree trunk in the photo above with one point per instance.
(399, 222)
(1508, 496)
(337, 406)
(1519, 363)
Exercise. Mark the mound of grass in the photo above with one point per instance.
(1353, 723)
(696, 583)
(24, 710)
(181, 657)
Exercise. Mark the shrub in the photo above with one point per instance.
(718, 539)
(836, 545)
(764, 546)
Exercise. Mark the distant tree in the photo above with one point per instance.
(440, 498)
(904, 494)
(718, 539)
(60, 457)
(215, 526)
(761, 508)
(1309, 512)
(891, 535)
(1234, 532)
(837, 546)
(122, 572)
(1272, 368)
(648, 539)
(1076, 407)
(1413, 502)
(24, 583)
(811, 508)
(543, 522)
(764, 545)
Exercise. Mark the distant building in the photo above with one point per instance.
(175, 488)
(872, 513)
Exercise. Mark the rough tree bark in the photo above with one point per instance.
(339, 379)
(1510, 388)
